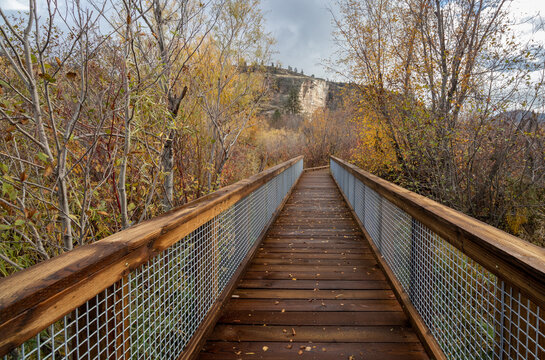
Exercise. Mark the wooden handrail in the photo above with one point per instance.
(512, 259)
(38, 296)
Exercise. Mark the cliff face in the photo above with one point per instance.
(314, 93)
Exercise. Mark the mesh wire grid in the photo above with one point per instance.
(153, 312)
(471, 313)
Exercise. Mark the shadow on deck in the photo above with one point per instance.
(314, 290)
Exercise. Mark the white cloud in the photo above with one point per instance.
(530, 13)
(14, 5)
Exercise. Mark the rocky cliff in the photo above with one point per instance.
(314, 93)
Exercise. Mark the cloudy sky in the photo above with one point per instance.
(303, 32)
(303, 29)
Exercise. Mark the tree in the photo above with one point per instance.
(190, 22)
(45, 77)
(100, 129)
(293, 103)
(433, 87)
(228, 97)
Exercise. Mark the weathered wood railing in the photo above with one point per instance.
(471, 290)
(148, 292)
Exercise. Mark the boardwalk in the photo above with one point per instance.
(314, 290)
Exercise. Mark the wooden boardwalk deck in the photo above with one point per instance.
(314, 290)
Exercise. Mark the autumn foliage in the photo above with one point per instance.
(446, 99)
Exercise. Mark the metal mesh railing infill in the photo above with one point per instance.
(471, 313)
(153, 312)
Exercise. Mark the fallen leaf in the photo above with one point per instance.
(265, 348)
(48, 170)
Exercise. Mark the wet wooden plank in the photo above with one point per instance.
(314, 255)
(312, 261)
(369, 265)
(313, 284)
(312, 294)
(313, 305)
(298, 318)
(326, 333)
(305, 351)
(312, 275)
(314, 279)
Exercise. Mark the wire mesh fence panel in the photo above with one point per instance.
(471, 313)
(153, 312)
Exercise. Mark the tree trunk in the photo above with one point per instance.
(167, 162)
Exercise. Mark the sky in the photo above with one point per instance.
(303, 28)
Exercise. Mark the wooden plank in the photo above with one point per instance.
(326, 333)
(316, 168)
(314, 284)
(369, 265)
(355, 241)
(316, 261)
(313, 304)
(306, 275)
(317, 350)
(312, 294)
(317, 247)
(314, 255)
(298, 318)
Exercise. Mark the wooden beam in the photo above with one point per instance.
(317, 168)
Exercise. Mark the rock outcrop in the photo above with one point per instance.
(314, 93)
